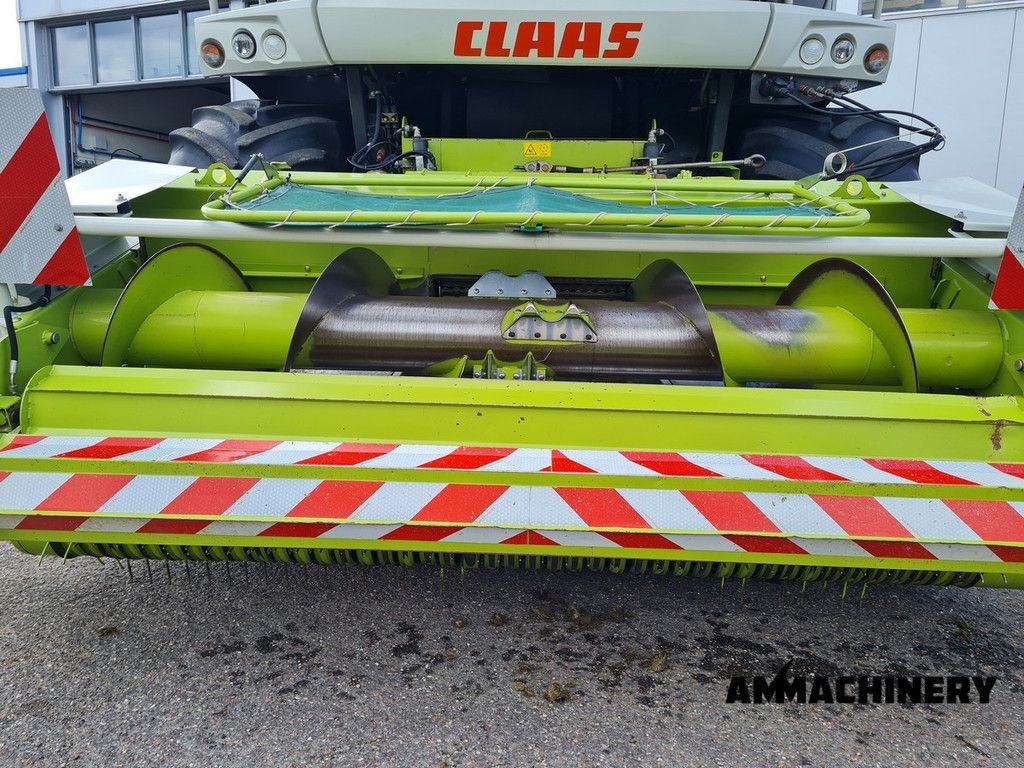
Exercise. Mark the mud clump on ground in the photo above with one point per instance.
(556, 694)
(542, 612)
(658, 662)
(523, 689)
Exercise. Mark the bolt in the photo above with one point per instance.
(561, 335)
(501, 291)
(522, 292)
(50, 337)
(511, 334)
(1019, 365)
(58, 228)
(476, 374)
(517, 375)
(536, 335)
(399, 270)
(764, 278)
(120, 198)
(476, 290)
(501, 374)
(588, 337)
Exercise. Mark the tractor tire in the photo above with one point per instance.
(796, 144)
(304, 136)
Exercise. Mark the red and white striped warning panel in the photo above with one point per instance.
(38, 240)
(393, 456)
(826, 515)
(460, 513)
(1008, 292)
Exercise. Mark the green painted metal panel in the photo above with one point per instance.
(244, 404)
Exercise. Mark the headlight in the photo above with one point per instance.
(842, 50)
(212, 53)
(274, 46)
(812, 50)
(876, 59)
(244, 45)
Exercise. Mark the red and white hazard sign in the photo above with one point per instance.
(1008, 292)
(38, 240)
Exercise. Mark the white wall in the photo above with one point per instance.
(965, 71)
(10, 36)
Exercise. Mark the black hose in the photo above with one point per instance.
(12, 338)
(357, 160)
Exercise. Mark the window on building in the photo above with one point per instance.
(128, 49)
(115, 51)
(160, 39)
(867, 7)
(74, 64)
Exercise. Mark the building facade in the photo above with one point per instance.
(117, 75)
(960, 63)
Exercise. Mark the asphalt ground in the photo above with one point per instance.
(408, 667)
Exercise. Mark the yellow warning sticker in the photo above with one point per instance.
(537, 148)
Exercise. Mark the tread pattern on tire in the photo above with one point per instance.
(302, 135)
(795, 145)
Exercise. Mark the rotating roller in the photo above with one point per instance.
(834, 326)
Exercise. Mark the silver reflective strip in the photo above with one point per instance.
(968, 552)
(289, 452)
(521, 460)
(272, 498)
(929, 519)
(795, 513)
(397, 502)
(477, 535)
(235, 528)
(579, 539)
(666, 510)
(22, 110)
(49, 447)
(609, 463)
(27, 490)
(705, 543)
(831, 547)
(977, 472)
(729, 465)
(526, 507)
(168, 450)
(408, 456)
(147, 494)
(362, 532)
(855, 470)
(111, 525)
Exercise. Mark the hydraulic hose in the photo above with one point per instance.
(12, 338)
